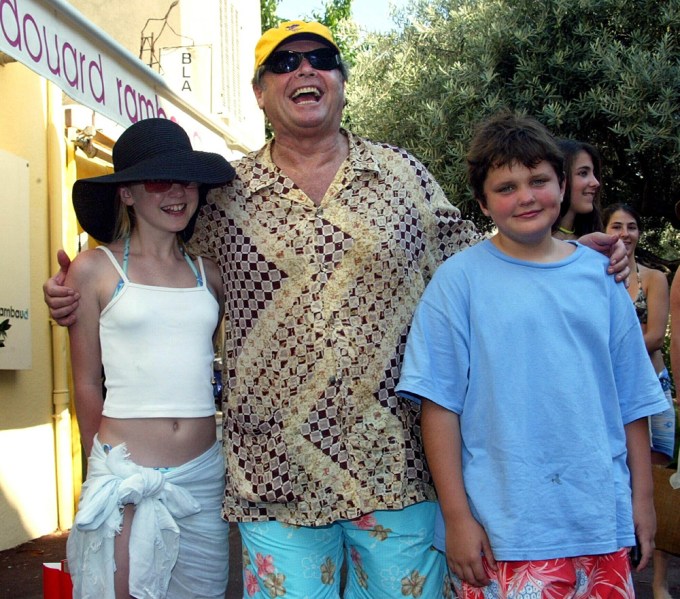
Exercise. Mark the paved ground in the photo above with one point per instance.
(21, 569)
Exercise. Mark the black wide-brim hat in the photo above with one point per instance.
(150, 149)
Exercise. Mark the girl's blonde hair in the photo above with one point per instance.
(125, 218)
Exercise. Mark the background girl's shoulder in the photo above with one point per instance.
(654, 278)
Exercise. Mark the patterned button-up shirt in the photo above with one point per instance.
(318, 305)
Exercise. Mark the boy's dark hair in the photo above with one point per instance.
(508, 138)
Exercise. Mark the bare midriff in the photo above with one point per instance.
(159, 442)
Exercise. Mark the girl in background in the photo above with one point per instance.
(648, 290)
(580, 209)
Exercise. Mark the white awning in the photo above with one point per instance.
(53, 39)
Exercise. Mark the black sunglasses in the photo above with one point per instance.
(287, 61)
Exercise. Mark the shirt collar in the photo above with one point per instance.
(361, 158)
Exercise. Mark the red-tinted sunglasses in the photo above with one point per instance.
(156, 186)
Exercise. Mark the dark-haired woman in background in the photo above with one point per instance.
(580, 211)
(649, 291)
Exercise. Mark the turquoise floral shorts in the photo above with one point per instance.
(388, 555)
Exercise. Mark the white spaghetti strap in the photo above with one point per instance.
(113, 260)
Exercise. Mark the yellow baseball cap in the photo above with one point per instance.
(274, 37)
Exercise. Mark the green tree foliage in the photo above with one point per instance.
(337, 16)
(334, 13)
(268, 16)
(603, 71)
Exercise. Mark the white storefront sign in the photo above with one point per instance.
(187, 69)
(55, 41)
(15, 296)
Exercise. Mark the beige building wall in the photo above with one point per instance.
(41, 460)
(228, 29)
(28, 486)
(124, 20)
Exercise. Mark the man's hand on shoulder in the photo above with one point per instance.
(62, 301)
(612, 246)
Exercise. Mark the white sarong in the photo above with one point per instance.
(178, 541)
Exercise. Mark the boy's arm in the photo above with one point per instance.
(640, 465)
(466, 539)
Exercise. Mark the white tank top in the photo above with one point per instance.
(157, 350)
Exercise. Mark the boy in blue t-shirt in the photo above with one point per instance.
(535, 387)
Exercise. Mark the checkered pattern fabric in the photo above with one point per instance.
(318, 305)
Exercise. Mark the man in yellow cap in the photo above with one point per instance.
(334, 238)
(325, 241)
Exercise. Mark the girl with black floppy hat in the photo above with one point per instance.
(149, 522)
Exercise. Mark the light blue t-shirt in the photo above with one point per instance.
(545, 364)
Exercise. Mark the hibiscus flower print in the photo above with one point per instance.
(531, 577)
(362, 577)
(366, 522)
(328, 571)
(412, 586)
(274, 583)
(265, 565)
(381, 533)
(250, 582)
